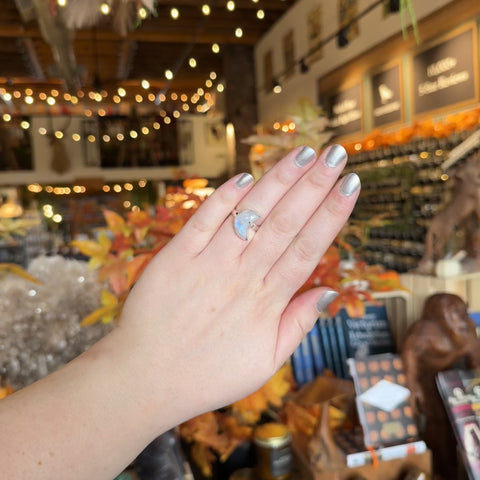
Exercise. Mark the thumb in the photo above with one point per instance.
(299, 318)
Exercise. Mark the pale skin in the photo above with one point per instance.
(209, 321)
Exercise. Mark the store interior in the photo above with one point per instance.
(120, 117)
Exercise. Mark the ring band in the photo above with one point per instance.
(244, 221)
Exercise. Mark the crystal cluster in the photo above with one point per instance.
(40, 324)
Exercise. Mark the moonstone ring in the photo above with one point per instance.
(244, 221)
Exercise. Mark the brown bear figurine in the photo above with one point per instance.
(443, 338)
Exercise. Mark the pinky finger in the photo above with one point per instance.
(299, 318)
(202, 226)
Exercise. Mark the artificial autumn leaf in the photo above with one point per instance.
(204, 458)
(97, 251)
(5, 391)
(135, 267)
(107, 313)
(116, 273)
(16, 226)
(250, 408)
(116, 223)
(19, 271)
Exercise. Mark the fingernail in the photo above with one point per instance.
(243, 180)
(305, 156)
(350, 184)
(325, 300)
(335, 156)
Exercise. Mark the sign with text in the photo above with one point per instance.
(387, 96)
(344, 111)
(445, 74)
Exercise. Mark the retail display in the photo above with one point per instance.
(40, 323)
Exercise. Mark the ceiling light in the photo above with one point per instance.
(192, 62)
(231, 6)
(260, 14)
(168, 74)
(105, 8)
(206, 9)
(238, 32)
(174, 13)
(276, 87)
(215, 48)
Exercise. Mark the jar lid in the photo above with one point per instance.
(272, 435)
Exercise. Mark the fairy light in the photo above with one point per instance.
(91, 138)
(106, 188)
(128, 187)
(138, 98)
(42, 131)
(6, 117)
(238, 32)
(28, 91)
(213, 75)
(151, 97)
(168, 74)
(145, 130)
(176, 113)
(206, 9)
(200, 91)
(208, 83)
(185, 107)
(156, 126)
(61, 3)
(25, 125)
(133, 134)
(120, 137)
(105, 8)
(260, 14)
(117, 188)
(121, 91)
(58, 134)
(142, 183)
(101, 112)
(142, 13)
(54, 93)
(76, 137)
(167, 120)
(162, 97)
(220, 88)
(116, 99)
(7, 97)
(106, 138)
(215, 48)
(230, 6)
(192, 62)
(51, 101)
(174, 13)
(174, 96)
(145, 84)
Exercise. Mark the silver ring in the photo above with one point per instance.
(244, 221)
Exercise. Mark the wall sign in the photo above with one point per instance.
(387, 96)
(344, 109)
(445, 74)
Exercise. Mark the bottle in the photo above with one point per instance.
(272, 451)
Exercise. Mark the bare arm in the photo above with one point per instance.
(208, 322)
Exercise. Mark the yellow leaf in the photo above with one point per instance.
(104, 314)
(18, 270)
(108, 299)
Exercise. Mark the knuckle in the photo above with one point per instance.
(305, 248)
(283, 177)
(282, 224)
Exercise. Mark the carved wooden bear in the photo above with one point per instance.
(443, 338)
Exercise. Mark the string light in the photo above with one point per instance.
(215, 48)
(230, 6)
(238, 32)
(174, 13)
(206, 9)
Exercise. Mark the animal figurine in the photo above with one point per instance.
(443, 338)
(465, 202)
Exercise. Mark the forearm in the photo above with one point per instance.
(87, 420)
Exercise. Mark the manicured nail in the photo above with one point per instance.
(243, 180)
(305, 156)
(325, 300)
(335, 156)
(350, 184)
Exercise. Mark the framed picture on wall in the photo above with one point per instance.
(288, 54)
(314, 34)
(15, 145)
(347, 13)
(268, 70)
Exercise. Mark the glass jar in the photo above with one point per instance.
(272, 452)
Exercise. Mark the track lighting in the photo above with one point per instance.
(342, 37)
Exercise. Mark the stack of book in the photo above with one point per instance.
(333, 340)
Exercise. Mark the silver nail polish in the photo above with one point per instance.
(305, 156)
(243, 180)
(325, 300)
(335, 156)
(350, 184)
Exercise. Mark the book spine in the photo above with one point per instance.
(317, 353)
(325, 342)
(337, 362)
(297, 365)
(387, 453)
(307, 358)
(342, 345)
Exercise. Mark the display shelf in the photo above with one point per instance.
(407, 185)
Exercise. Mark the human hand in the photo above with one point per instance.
(212, 316)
